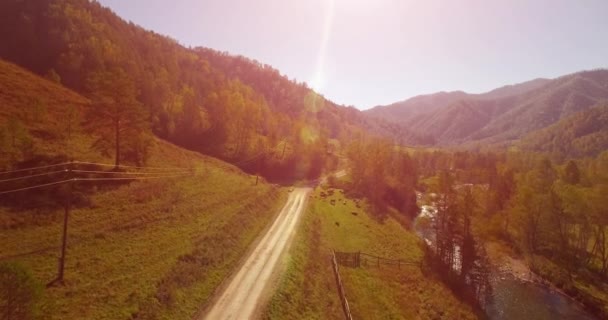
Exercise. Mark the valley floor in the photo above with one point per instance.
(244, 295)
(308, 289)
(147, 250)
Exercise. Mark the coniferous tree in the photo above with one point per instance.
(116, 114)
(572, 174)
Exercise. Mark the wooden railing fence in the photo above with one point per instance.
(341, 292)
(356, 260)
(359, 259)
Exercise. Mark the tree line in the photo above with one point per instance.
(142, 84)
(388, 177)
(554, 213)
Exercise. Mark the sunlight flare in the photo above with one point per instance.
(319, 79)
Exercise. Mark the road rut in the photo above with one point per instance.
(241, 298)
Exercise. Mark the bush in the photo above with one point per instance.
(19, 292)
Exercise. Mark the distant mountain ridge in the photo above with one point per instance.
(514, 89)
(500, 116)
(404, 110)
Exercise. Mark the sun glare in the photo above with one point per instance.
(318, 80)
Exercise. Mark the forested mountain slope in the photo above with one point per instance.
(406, 111)
(206, 101)
(584, 134)
(117, 227)
(503, 115)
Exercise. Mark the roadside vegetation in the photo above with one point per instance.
(308, 288)
(149, 249)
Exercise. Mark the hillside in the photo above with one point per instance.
(335, 221)
(200, 99)
(503, 115)
(584, 134)
(513, 89)
(406, 111)
(160, 244)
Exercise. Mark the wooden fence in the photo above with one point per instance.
(359, 259)
(343, 300)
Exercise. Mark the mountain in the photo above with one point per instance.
(537, 109)
(46, 123)
(583, 134)
(500, 116)
(405, 111)
(297, 100)
(514, 89)
(214, 103)
(211, 214)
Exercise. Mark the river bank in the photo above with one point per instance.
(518, 291)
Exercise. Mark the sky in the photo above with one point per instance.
(375, 52)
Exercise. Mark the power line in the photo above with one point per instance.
(91, 179)
(130, 173)
(92, 172)
(35, 168)
(164, 174)
(33, 176)
(90, 163)
(125, 166)
(133, 178)
(35, 187)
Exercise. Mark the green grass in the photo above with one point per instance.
(156, 249)
(43, 107)
(308, 289)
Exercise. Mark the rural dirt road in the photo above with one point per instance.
(242, 296)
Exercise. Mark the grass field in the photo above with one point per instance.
(154, 249)
(308, 289)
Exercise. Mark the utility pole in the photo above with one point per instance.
(257, 173)
(284, 146)
(68, 205)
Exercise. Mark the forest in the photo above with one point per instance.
(141, 83)
(535, 183)
(552, 213)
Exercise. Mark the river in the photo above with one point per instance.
(513, 298)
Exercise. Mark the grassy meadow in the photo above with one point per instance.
(308, 289)
(155, 249)
(151, 249)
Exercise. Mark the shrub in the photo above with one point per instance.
(19, 292)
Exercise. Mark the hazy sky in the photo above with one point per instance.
(370, 52)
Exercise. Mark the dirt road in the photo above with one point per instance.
(242, 296)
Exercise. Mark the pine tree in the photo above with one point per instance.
(116, 114)
(572, 174)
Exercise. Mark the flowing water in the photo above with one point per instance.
(516, 299)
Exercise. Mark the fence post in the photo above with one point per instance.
(343, 300)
